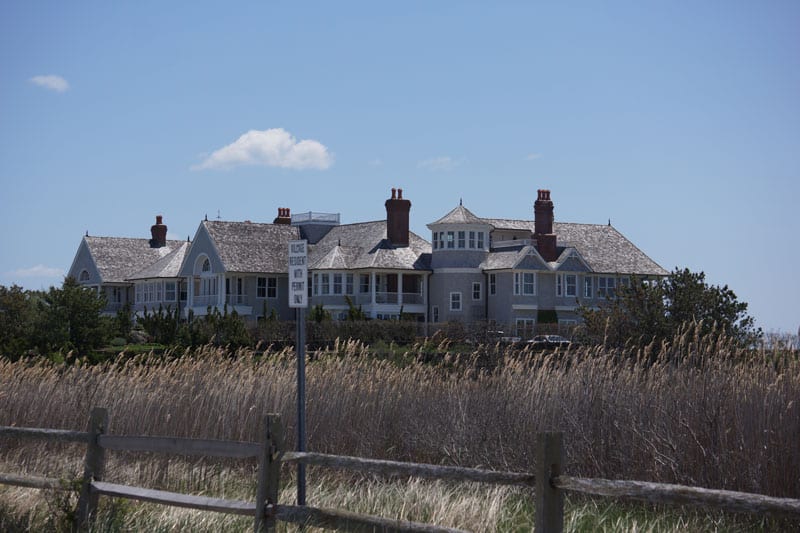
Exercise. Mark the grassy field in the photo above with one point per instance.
(698, 412)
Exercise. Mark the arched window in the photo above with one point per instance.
(84, 275)
(202, 266)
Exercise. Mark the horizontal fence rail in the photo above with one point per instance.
(175, 499)
(58, 435)
(33, 482)
(679, 494)
(548, 481)
(411, 469)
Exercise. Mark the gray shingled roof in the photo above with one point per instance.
(252, 247)
(603, 247)
(118, 258)
(364, 245)
(459, 215)
(166, 267)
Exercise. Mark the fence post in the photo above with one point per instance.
(549, 510)
(94, 466)
(269, 470)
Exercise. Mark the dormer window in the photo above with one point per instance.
(84, 275)
(206, 266)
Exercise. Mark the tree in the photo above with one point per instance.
(17, 312)
(70, 318)
(648, 311)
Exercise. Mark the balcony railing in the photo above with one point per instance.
(412, 298)
(317, 218)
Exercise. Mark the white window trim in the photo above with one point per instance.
(519, 283)
(460, 302)
(479, 286)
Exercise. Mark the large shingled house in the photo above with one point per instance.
(512, 272)
(139, 272)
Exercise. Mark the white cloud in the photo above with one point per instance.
(38, 271)
(439, 163)
(531, 157)
(52, 82)
(274, 147)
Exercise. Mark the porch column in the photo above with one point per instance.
(221, 291)
(400, 288)
(189, 291)
(372, 286)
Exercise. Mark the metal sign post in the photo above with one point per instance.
(298, 298)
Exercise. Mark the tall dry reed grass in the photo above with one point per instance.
(698, 411)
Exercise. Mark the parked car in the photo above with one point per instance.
(549, 341)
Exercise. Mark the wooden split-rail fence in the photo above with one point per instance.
(548, 482)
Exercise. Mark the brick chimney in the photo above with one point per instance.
(284, 216)
(543, 226)
(397, 210)
(159, 233)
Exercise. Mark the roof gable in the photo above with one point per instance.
(118, 258)
(250, 246)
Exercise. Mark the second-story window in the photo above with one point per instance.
(455, 301)
(364, 283)
(476, 290)
(451, 238)
(337, 283)
(462, 239)
(325, 283)
(492, 283)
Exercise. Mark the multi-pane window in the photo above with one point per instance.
(458, 240)
(435, 313)
(476, 290)
(325, 283)
(267, 287)
(566, 285)
(348, 283)
(363, 283)
(455, 301)
(492, 283)
(571, 284)
(169, 291)
(337, 283)
(525, 283)
(606, 287)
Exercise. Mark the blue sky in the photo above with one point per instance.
(679, 121)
